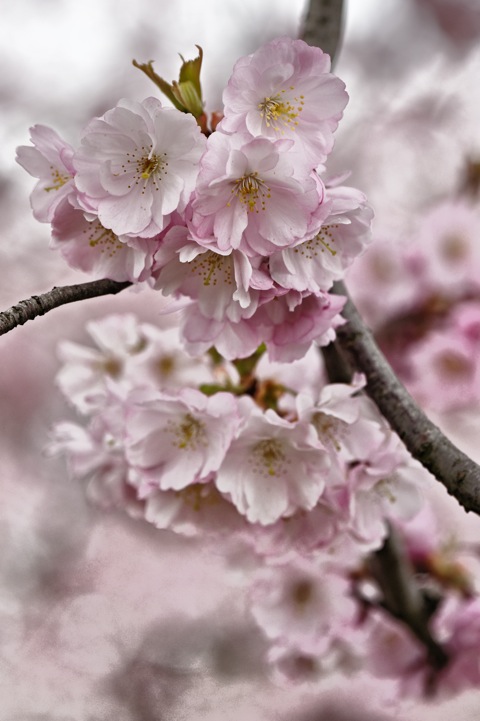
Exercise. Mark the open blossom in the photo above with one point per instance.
(224, 284)
(457, 626)
(272, 468)
(49, 160)
(175, 440)
(253, 195)
(447, 359)
(285, 90)
(323, 258)
(303, 605)
(137, 165)
(445, 252)
(87, 245)
(197, 509)
(385, 485)
(83, 379)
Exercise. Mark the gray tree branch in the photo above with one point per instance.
(323, 25)
(30, 308)
(458, 473)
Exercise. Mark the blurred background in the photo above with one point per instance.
(102, 617)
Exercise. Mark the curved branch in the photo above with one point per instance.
(30, 308)
(458, 473)
(323, 25)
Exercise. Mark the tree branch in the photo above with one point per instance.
(458, 473)
(323, 25)
(37, 305)
(402, 597)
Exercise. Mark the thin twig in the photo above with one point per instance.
(458, 473)
(30, 308)
(323, 25)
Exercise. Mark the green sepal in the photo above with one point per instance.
(190, 70)
(187, 95)
(166, 88)
(246, 366)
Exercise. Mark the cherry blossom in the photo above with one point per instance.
(88, 246)
(50, 160)
(285, 90)
(96, 454)
(251, 195)
(131, 355)
(317, 262)
(138, 164)
(173, 441)
(272, 468)
(303, 605)
(224, 284)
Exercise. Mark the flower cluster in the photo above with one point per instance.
(272, 453)
(248, 444)
(305, 477)
(239, 224)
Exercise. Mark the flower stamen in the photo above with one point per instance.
(278, 110)
(250, 189)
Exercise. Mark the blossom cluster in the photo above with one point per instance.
(239, 226)
(304, 476)
(225, 429)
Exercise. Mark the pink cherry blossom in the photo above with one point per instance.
(88, 246)
(198, 509)
(317, 262)
(252, 195)
(176, 440)
(138, 164)
(272, 469)
(392, 652)
(50, 160)
(303, 605)
(292, 322)
(445, 250)
(83, 377)
(132, 355)
(457, 626)
(387, 484)
(96, 454)
(285, 90)
(224, 284)
(444, 371)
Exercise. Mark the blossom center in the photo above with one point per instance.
(58, 180)
(150, 166)
(319, 244)
(250, 190)
(280, 111)
(269, 458)
(199, 495)
(145, 167)
(210, 265)
(189, 433)
(330, 430)
(302, 593)
(454, 248)
(102, 239)
(454, 365)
